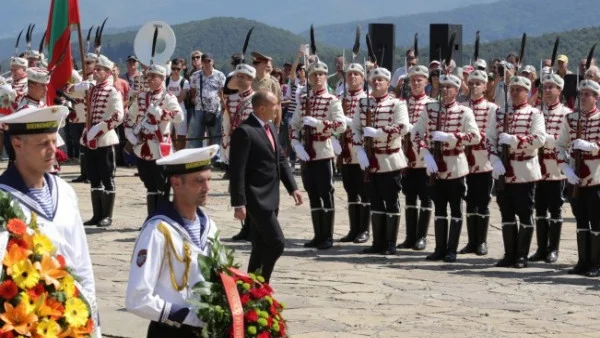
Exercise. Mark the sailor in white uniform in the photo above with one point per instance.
(34, 135)
(164, 265)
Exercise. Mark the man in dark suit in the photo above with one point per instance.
(257, 164)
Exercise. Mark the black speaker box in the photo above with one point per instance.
(439, 37)
(383, 37)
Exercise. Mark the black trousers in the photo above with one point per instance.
(75, 131)
(354, 183)
(383, 191)
(151, 175)
(100, 163)
(122, 141)
(448, 192)
(479, 193)
(267, 241)
(414, 185)
(160, 330)
(516, 200)
(588, 208)
(317, 178)
(549, 199)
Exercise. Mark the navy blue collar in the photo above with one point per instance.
(167, 209)
(13, 183)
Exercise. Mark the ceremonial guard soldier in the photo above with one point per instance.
(359, 207)
(519, 137)
(479, 179)
(578, 147)
(549, 190)
(379, 123)
(315, 120)
(99, 137)
(78, 117)
(414, 178)
(447, 128)
(148, 129)
(167, 249)
(18, 70)
(37, 80)
(52, 200)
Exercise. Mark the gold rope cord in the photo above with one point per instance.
(170, 252)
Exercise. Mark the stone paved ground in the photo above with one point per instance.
(339, 293)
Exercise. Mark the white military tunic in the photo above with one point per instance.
(64, 227)
(589, 170)
(239, 106)
(150, 291)
(80, 108)
(347, 138)
(151, 133)
(326, 108)
(391, 116)
(456, 120)
(527, 124)
(553, 117)
(477, 155)
(415, 107)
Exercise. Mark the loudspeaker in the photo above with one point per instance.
(383, 37)
(439, 37)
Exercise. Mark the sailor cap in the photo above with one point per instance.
(243, 68)
(188, 160)
(35, 120)
(380, 73)
(520, 81)
(449, 79)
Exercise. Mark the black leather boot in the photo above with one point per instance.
(315, 215)
(453, 238)
(422, 229)
(411, 219)
(483, 223)
(554, 230)
(471, 234)
(378, 222)
(244, 233)
(82, 178)
(327, 221)
(523, 245)
(108, 205)
(354, 220)
(509, 237)
(441, 240)
(391, 233)
(594, 255)
(96, 208)
(541, 234)
(365, 223)
(583, 252)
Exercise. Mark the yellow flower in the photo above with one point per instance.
(30, 304)
(76, 312)
(48, 328)
(42, 244)
(24, 274)
(67, 285)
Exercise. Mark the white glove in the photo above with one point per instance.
(508, 139)
(442, 136)
(301, 152)
(497, 167)
(5, 89)
(550, 141)
(585, 145)
(363, 159)
(149, 127)
(337, 147)
(349, 121)
(569, 173)
(83, 86)
(131, 136)
(93, 131)
(310, 121)
(430, 164)
(373, 132)
(155, 111)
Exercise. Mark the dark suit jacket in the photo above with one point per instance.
(255, 169)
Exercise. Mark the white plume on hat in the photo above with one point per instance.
(590, 85)
(418, 70)
(356, 68)
(520, 81)
(380, 73)
(243, 68)
(554, 79)
(449, 79)
(318, 67)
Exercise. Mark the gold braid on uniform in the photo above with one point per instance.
(170, 251)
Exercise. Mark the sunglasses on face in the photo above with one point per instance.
(195, 57)
(89, 62)
(175, 69)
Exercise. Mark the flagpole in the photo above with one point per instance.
(88, 121)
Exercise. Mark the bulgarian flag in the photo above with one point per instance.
(63, 17)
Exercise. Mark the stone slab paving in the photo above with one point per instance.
(340, 293)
